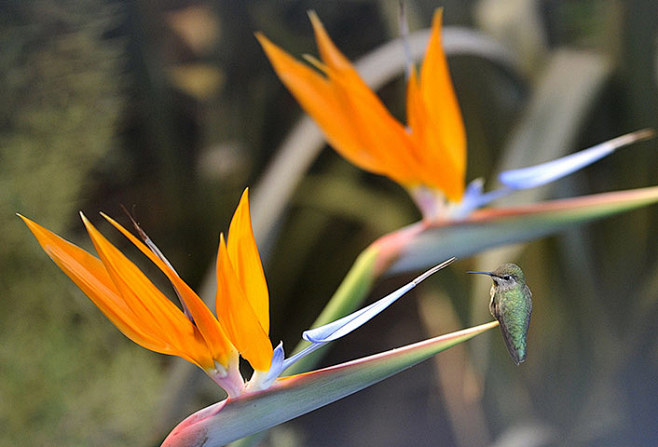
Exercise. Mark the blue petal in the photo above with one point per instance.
(300, 355)
(553, 170)
(277, 367)
(474, 198)
(345, 325)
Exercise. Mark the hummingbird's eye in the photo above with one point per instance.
(507, 277)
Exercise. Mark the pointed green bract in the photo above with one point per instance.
(494, 227)
(294, 396)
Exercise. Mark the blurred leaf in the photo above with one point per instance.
(564, 97)
(344, 199)
(200, 81)
(197, 26)
(63, 95)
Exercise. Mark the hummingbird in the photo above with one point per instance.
(511, 305)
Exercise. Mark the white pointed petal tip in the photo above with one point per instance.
(345, 325)
(277, 367)
(547, 172)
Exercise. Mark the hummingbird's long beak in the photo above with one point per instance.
(481, 273)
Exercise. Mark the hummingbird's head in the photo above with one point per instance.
(507, 275)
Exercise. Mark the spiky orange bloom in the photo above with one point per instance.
(146, 316)
(430, 152)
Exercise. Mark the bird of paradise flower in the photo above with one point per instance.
(240, 328)
(428, 155)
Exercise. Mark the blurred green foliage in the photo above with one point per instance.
(68, 377)
(171, 108)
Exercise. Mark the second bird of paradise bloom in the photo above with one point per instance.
(428, 155)
(146, 316)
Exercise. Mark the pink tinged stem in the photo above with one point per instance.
(228, 378)
(492, 227)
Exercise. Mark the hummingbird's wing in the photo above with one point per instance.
(492, 303)
(514, 317)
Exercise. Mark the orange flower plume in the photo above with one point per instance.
(430, 152)
(146, 316)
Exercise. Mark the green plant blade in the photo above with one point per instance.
(294, 396)
(494, 227)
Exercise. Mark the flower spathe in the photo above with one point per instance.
(429, 153)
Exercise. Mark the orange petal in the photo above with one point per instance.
(143, 298)
(153, 309)
(329, 53)
(89, 274)
(442, 106)
(380, 135)
(437, 170)
(243, 253)
(315, 96)
(237, 316)
(352, 118)
(215, 340)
